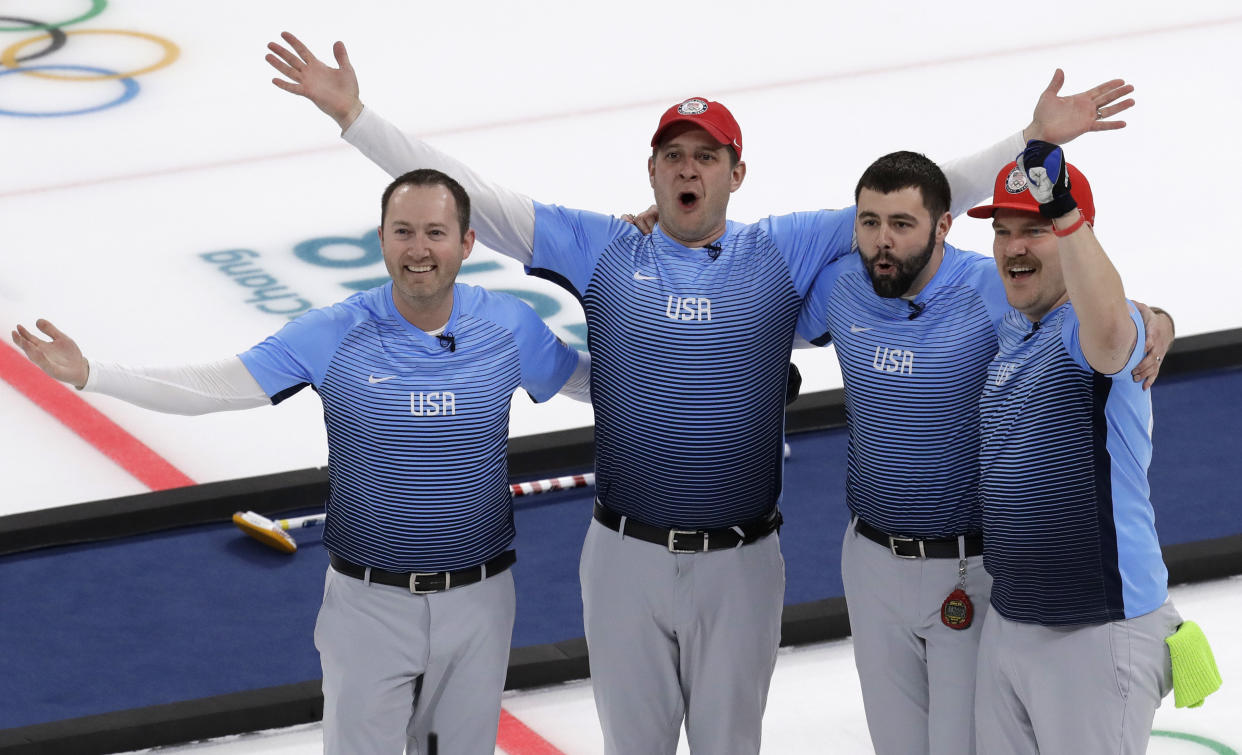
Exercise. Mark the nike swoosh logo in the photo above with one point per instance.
(638, 276)
(373, 380)
(856, 329)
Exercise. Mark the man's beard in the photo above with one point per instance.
(896, 285)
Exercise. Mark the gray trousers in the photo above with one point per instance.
(1088, 688)
(397, 666)
(680, 636)
(917, 675)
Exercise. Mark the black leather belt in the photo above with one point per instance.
(913, 547)
(690, 541)
(422, 583)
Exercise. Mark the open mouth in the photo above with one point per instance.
(688, 200)
(883, 265)
(1020, 272)
(420, 269)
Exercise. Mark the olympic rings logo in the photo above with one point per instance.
(15, 59)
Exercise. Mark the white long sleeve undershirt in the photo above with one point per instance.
(191, 389)
(502, 219)
(505, 219)
(578, 386)
(972, 177)
(226, 385)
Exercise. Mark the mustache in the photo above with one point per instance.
(1023, 261)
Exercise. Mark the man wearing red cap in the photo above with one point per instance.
(1072, 656)
(913, 321)
(690, 330)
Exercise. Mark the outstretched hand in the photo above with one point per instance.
(333, 90)
(1060, 120)
(61, 358)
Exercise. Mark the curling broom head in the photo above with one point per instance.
(265, 531)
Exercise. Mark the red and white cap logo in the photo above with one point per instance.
(1016, 182)
(693, 106)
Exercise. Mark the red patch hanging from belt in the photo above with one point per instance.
(956, 612)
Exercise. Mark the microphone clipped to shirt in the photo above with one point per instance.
(713, 250)
(916, 309)
(448, 341)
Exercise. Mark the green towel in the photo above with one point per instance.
(1195, 675)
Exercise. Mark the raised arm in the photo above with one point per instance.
(504, 220)
(1056, 119)
(192, 389)
(1106, 331)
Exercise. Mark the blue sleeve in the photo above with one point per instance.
(568, 244)
(298, 353)
(811, 240)
(813, 319)
(1070, 335)
(546, 361)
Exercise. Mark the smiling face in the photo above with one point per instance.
(1027, 259)
(900, 244)
(693, 175)
(423, 249)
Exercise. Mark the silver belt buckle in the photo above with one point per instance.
(448, 579)
(892, 546)
(672, 536)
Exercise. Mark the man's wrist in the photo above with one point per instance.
(1066, 224)
(347, 120)
(86, 376)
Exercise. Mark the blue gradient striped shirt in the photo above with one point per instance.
(1069, 532)
(689, 355)
(417, 432)
(913, 372)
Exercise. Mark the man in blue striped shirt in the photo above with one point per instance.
(690, 330)
(913, 320)
(416, 378)
(1072, 656)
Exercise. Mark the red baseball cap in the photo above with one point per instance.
(710, 116)
(1011, 193)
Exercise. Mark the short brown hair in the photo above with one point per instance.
(430, 177)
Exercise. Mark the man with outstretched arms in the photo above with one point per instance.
(914, 321)
(690, 330)
(416, 378)
(1072, 656)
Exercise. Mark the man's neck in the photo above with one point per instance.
(426, 316)
(1034, 316)
(711, 238)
